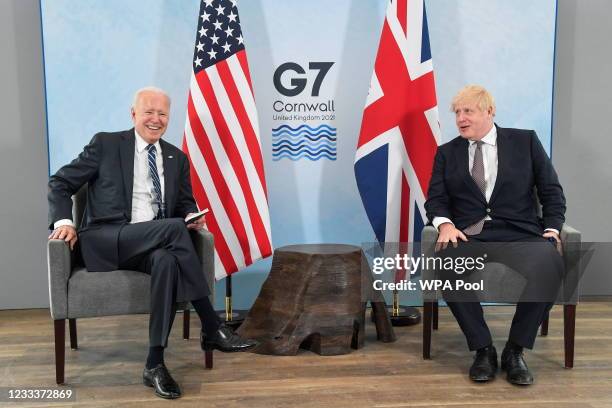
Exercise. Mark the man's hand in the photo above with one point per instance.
(448, 232)
(67, 233)
(553, 234)
(197, 225)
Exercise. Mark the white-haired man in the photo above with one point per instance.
(139, 193)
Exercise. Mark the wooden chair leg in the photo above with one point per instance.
(435, 315)
(427, 317)
(544, 331)
(73, 334)
(208, 359)
(60, 339)
(186, 316)
(384, 329)
(569, 332)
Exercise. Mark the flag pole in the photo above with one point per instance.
(232, 317)
(228, 299)
(403, 315)
(396, 306)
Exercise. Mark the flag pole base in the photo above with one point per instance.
(404, 316)
(237, 317)
(232, 318)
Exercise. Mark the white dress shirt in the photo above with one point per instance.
(489, 159)
(143, 193)
(490, 162)
(143, 196)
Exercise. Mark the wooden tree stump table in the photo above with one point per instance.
(315, 298)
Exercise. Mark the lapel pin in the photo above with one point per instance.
(170, 157)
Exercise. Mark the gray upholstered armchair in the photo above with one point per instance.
(75, 293)
(570, 238)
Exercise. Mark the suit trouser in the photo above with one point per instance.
(163, 249)
(534, 258)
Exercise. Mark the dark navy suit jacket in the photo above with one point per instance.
(522, 165)
(107, 166)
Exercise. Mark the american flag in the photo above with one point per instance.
(400, 130)
(222, 141)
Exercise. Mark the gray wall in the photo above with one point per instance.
(581, 142)
(582, 139)
(23, 158)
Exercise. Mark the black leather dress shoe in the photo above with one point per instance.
(516, 369)
(485, 365)
(225, 340)
(160, 379)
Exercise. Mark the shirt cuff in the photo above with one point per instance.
(553, 230)
(437, 221)
(63, 222)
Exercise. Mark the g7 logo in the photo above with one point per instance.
(298, 84)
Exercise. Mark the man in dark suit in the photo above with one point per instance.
(482, 191)
(139, 193)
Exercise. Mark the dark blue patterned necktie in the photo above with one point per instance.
(156, 183)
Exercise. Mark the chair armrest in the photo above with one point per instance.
(429, 236)
(204, 244)
(569, 234)
(571, 241)
(59, 267)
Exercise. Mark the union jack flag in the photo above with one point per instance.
(222, 141)
(400, 130)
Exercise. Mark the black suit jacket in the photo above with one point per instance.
(522, 165)
(107, 165)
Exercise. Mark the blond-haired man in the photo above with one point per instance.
(482, 191)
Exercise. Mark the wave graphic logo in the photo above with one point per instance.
(304, 142)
